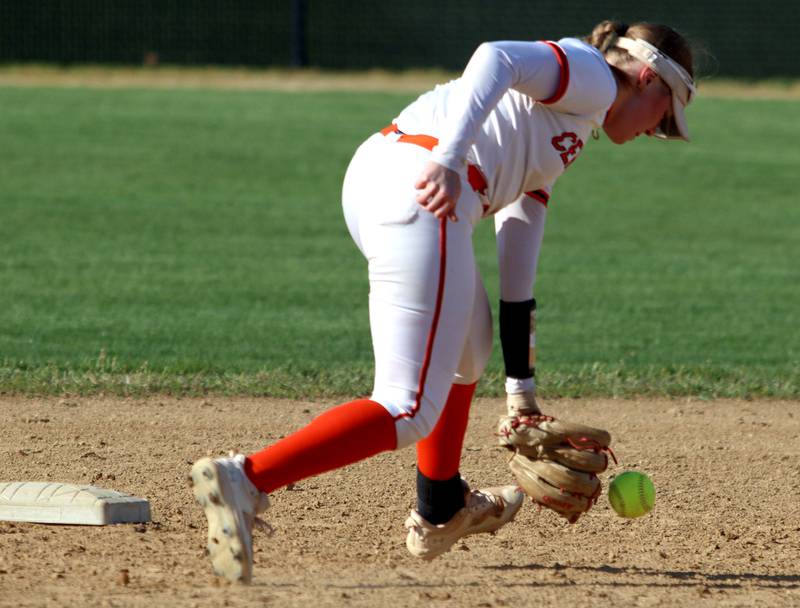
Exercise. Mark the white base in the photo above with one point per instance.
(64, 503)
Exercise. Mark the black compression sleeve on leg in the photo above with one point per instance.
(515, 332)
(438, 501)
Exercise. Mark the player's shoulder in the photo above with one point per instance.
(580, 48)
(592, 87)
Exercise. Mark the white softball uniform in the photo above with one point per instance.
(515, 120)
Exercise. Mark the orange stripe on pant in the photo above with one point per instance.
(437, 311)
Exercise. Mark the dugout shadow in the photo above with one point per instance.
(689, 578)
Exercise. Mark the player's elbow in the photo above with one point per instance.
(490, 54)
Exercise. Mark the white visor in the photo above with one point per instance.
(676, 77)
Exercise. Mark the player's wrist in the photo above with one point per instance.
(521, 397)
(451, 160)
(518, 339)
(520, 385)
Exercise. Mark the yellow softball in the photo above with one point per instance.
(632, 494)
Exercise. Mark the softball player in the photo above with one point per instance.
(489, 144)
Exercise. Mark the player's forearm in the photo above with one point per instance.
(519, 232)
(520, 229)
(518, 340)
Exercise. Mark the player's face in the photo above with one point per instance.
(640, 112)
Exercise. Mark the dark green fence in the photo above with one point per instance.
(739, 37)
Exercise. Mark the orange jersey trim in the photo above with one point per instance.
(539, 195)
(563, 64)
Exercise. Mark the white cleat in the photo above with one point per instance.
(486, 510)
(231, 503)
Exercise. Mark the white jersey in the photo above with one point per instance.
(521, 112)
(516, 119)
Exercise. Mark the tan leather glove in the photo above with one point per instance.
(556, 462)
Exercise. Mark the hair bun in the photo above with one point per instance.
(606, 33)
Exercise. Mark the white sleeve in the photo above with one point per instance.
(519, 228)
(528, 67)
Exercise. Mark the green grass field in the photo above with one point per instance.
(191, 241)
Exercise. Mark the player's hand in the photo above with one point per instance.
(439, 189)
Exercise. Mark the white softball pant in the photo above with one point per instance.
(429, 314)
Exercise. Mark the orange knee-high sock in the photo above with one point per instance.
(341, 436)
(439, 454)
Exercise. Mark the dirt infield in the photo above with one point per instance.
(725, 530)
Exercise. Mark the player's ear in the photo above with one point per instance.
(645, 77)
